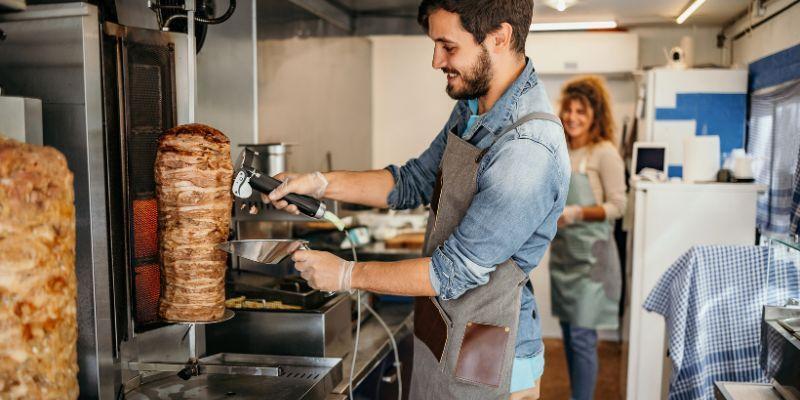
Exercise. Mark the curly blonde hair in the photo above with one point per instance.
(592, 92)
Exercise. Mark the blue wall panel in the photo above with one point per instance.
(783, 66)
(721, 114)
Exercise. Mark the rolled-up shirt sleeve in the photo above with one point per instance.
(414, 181)
(518, 189)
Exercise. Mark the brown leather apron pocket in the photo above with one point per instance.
(482, 353)
(431, 325)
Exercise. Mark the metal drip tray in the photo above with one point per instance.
(301, 378)
(791, 324)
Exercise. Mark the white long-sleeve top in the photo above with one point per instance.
(606, 171)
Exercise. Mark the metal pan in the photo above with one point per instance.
(264, 251)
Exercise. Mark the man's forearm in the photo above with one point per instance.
(401, 278)
(369, 188)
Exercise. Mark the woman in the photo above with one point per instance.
(584, 264)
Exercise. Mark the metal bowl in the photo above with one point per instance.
(264, 251)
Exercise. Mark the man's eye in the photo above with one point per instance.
(449, 49)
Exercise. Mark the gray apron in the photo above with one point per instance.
(464, 348)
(585, 275)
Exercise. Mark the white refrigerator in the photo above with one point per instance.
(670, 218)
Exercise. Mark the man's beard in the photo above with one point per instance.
(476, 81)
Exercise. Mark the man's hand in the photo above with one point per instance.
(313, 184)
(323, 270)
(570, 215)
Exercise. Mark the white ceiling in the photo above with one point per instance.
(633, 12)
(625, 12)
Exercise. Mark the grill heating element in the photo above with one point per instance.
(147, 274)
(145, 229)
(148, 290)
(149, 88)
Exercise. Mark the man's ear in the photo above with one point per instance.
(500, 38)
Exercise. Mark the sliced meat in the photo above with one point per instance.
(38, 286)
(193, 174)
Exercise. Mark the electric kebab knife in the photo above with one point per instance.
(249, 178)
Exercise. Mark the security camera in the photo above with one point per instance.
(676, 58)
(676, 55)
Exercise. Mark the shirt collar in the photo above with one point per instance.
(473, 106)
(499, 116)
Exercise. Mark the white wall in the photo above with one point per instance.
(316, 93)
(409, 103)
(583, 52)
(224, 103)
(773, 36)
(654, 40)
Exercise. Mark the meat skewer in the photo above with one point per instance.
(38, 285)
(193, 173)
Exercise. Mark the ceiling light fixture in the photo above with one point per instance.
(572, 26)
(689, 11)
(560, 5)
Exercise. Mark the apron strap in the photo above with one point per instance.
(525, 119)
(582, 165)
(530, 117)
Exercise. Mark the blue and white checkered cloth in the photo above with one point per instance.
(712, 299)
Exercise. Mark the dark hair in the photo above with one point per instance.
(481, 17)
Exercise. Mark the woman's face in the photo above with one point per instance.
(577, 119)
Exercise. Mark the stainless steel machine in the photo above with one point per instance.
(21, 118)
(107, 91)
(780, 348)
(780, 322)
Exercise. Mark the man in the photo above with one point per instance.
(496, 178)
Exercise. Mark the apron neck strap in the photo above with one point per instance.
(525, 119)
(582, 165)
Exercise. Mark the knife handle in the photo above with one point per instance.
(306, 204)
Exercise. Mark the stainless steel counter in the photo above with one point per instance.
(374, 343)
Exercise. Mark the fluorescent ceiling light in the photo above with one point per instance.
(689, 11)
(572, 26)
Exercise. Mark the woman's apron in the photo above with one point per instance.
(585, 274)
(464, 348)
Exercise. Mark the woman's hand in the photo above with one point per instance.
(570, 215)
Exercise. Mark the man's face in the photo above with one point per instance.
(467, 64)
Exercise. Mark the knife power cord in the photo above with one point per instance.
(358, 333)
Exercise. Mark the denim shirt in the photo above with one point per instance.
(522, 185)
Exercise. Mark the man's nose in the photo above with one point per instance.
(438, 61)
